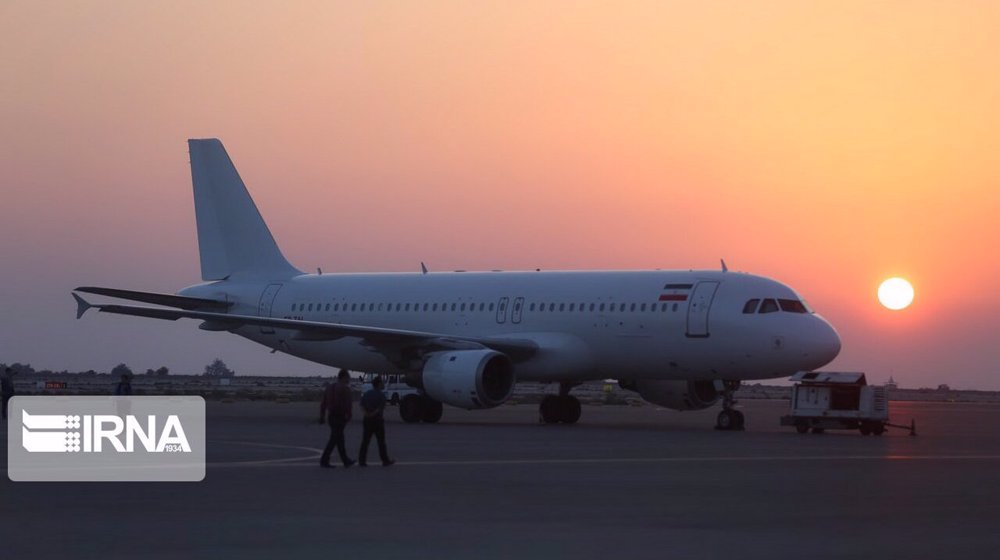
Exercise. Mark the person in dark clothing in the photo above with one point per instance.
(373, 405)
(124, 387)
(336, 410)
(6, 389)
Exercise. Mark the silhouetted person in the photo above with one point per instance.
(6, 388)
(336, 410)
(373, 405)
(124, 387)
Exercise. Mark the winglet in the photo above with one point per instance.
(423, 267)
(81, 306)
(724, 267)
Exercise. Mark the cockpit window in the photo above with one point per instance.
(792, 306)
(751, 306)
(768, 306)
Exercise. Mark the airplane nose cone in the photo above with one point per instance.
(826, 343)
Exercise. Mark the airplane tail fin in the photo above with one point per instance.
(232, 235)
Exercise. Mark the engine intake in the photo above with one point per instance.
(469, 379)
(678, 395)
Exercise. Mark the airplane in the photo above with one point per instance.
(682, 339)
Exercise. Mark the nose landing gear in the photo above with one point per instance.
(729, 418)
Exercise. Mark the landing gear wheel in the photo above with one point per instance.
(729, 419)
(878, 429)
(432, 411)
(865, 429)
(548, 410)
(569, 409)
(411, 409)
(801, 427)
(818, 430)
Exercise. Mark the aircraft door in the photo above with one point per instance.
(502, 310)
(266, 302)
(515, 315)
(698, 308)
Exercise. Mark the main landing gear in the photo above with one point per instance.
(420, 408)
(729, 418)
(563, 407)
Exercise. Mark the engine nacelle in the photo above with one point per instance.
(469, 378)
(678, 395)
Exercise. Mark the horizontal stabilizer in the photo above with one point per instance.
(167, 300)
(81, 306)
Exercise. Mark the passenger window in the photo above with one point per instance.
(453, 307)
(435, 308)
(327, 307)
(768, 306)
(632, 307)
(663, 307)
(562, 307)
(310, 307)
(531, 307)
(751, 306)
(675, 307)
(482, 306)
(642, 307)
(572, 307)
(552, 307)
(621, 308)
(601, 308)
(491, 307)
(293, 307)
(792, 306)
(463, 307)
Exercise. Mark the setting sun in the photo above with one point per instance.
(895, 294)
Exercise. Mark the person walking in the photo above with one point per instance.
(124, 387)
(6, 389)
(336, 411)
(373, 405)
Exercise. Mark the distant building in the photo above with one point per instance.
(943, 387)
(891, 384)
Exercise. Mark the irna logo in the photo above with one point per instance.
(96, 433)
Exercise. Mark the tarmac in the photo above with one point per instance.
(627, 481)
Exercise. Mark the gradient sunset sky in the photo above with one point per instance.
(828, 145)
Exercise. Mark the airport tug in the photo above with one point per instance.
(824, 400)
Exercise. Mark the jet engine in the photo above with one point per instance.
(468, 378)
(678, 395)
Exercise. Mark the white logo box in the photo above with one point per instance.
(106, 439)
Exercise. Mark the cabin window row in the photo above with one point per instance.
(471, 307)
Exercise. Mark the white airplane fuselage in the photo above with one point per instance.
(681, 339)
(588, 325)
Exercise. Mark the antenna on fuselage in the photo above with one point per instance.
(423, 267)
(724, 267)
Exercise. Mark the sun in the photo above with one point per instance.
(895, 294)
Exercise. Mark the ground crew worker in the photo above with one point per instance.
(6, 389)
(373, 405)
(336, 410)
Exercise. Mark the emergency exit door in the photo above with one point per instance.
(698, 308)
(266, 302)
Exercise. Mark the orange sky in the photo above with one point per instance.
(828, 146)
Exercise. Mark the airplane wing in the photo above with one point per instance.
(378, 338)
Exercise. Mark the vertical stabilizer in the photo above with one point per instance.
(232, 236)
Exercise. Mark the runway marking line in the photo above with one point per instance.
(315, 454)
